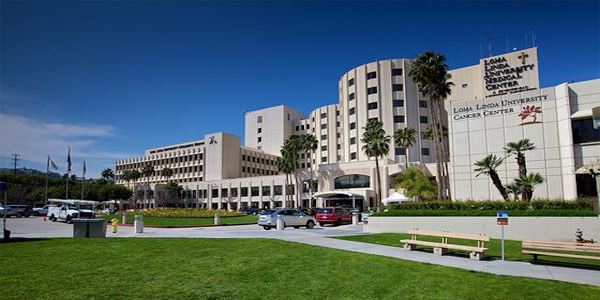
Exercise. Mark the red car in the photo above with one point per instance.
(333, 215)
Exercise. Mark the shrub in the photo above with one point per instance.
(487, 213)
(186, 213)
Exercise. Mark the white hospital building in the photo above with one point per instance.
(492, 103)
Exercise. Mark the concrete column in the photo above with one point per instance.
(239, 196)
(285, 194)
(250, 193)
(260, 195)
(272, 198)
(209, 195)
(197, 196)
(220, 197)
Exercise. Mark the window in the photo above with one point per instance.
(244, 192)
(323, 115)
(337, 112)
(352, 181)
(584, 132)
(324, 148)
(400, 151)
(243, 169)
(253, 159)
(339, 157)
(254, 191)
(422, 104)
(337, 124)
(372, 105)
(398, 119)
(337, 135)
(371, 75)
(351, 82)
(353, 155)
(423, 120)
(396, 72)
(425, 151)
(259, 130)
(351, 96)
(277, 190)
(398, 103)
(352, 111)
(397, 87)
(372, 90)
(308, 126)
(259, 139)
(297, 128)
(323, 137)
(214, 193)
(424, 135)
(464, 85)
(259, 119)
(323, 126)
(352, 141)
(266, 190)
(338, 146)
(324, 159)
(223, 192)
(301, 127)
(288, 117)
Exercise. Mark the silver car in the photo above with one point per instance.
(291, 218)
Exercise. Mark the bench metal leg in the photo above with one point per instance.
(477, 255)
(535, 258)
(440, 251)
(410, 247)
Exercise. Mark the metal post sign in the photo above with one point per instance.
(502, 218)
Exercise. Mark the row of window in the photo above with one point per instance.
(257, 171)
(162, 161)
(373, 75)
(253, 191)
(260, 160)
(402, 151)
(373, 90)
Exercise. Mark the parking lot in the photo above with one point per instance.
(36, 227)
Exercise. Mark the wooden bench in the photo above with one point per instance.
(442, 247)
(550, 248)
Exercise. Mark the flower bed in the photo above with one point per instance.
(184, 213)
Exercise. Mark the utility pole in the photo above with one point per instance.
(15, 162)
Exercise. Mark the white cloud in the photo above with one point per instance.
(34, 140)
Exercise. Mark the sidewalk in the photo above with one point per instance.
(510, 268)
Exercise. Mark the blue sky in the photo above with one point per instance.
(114, 78)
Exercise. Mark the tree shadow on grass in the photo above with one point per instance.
(21, 239)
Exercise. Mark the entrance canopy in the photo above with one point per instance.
(395, 198)
(341, 198)
(336, 193)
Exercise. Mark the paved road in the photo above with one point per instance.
(319, 236)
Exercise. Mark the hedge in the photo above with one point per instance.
(184, 213)
(488, 213)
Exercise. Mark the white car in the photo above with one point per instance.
(10, 212)
(41, 211)
(68, 212)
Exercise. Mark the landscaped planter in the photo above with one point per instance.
(519, 228)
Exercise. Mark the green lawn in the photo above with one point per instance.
(512, 249)
(186, 221)
(244, 269)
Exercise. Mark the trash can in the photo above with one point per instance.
(89, 228)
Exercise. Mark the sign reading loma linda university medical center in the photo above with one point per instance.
(510, 73)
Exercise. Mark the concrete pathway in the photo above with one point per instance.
(319, 236)
(510, 268)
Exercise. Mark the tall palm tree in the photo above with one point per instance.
(430, 72)
(135, 176)
(126, 176)
(518, 148)
(488, 166)
(376, 144)
(107, 174)
(291, 146)
(309, 145)
(404, 138)
(527, 183)
(147, 171)
(285, 164)
(167, 172)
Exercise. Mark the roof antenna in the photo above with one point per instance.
(533, 38)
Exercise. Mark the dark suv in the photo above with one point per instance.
(22, 210)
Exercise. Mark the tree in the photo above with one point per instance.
(135, 176)
(166, 172)
(488, 166)
(514, 189)
(286, 164)
(404, 138)
(127, 176)
(168, 195)
(376, 144)
(518, 148)
(114, 192)
(527, 183)
(309, 144)
(430, 72)
(416, 184)
(108, 174)
(147, 171)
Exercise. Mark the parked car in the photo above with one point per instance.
(68, 212)
(251, 211)
(291, 218)
(356, 211)
(333, 215)
(10, 212)
(41, 211)
(22, 210)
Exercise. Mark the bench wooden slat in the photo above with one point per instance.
(560, 254)
(446, 246)
(564, 244)
(475, 237)
(557, 246)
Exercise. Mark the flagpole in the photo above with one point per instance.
(47, 174)
(68, 173)
(83, 182)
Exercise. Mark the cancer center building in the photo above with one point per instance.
(494, 102)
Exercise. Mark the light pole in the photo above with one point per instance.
(6, 233)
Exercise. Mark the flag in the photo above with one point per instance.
(51, 164)
(84, 169)
(69, 160)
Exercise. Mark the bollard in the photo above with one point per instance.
(280, 224)
(354, 219)
(124, 218)
(217, 220)
(138, 224)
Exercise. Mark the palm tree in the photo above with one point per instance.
(309, 145)
(285, 164)
(514, 189)
(519, 149)
(107, 174)
(147, 171)
(404, 138)
(376, 144)
(166, 172)
(527, 183)
(488, 166)
(135, 175)
(126, 176)
(430, 72)
(289, 151)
